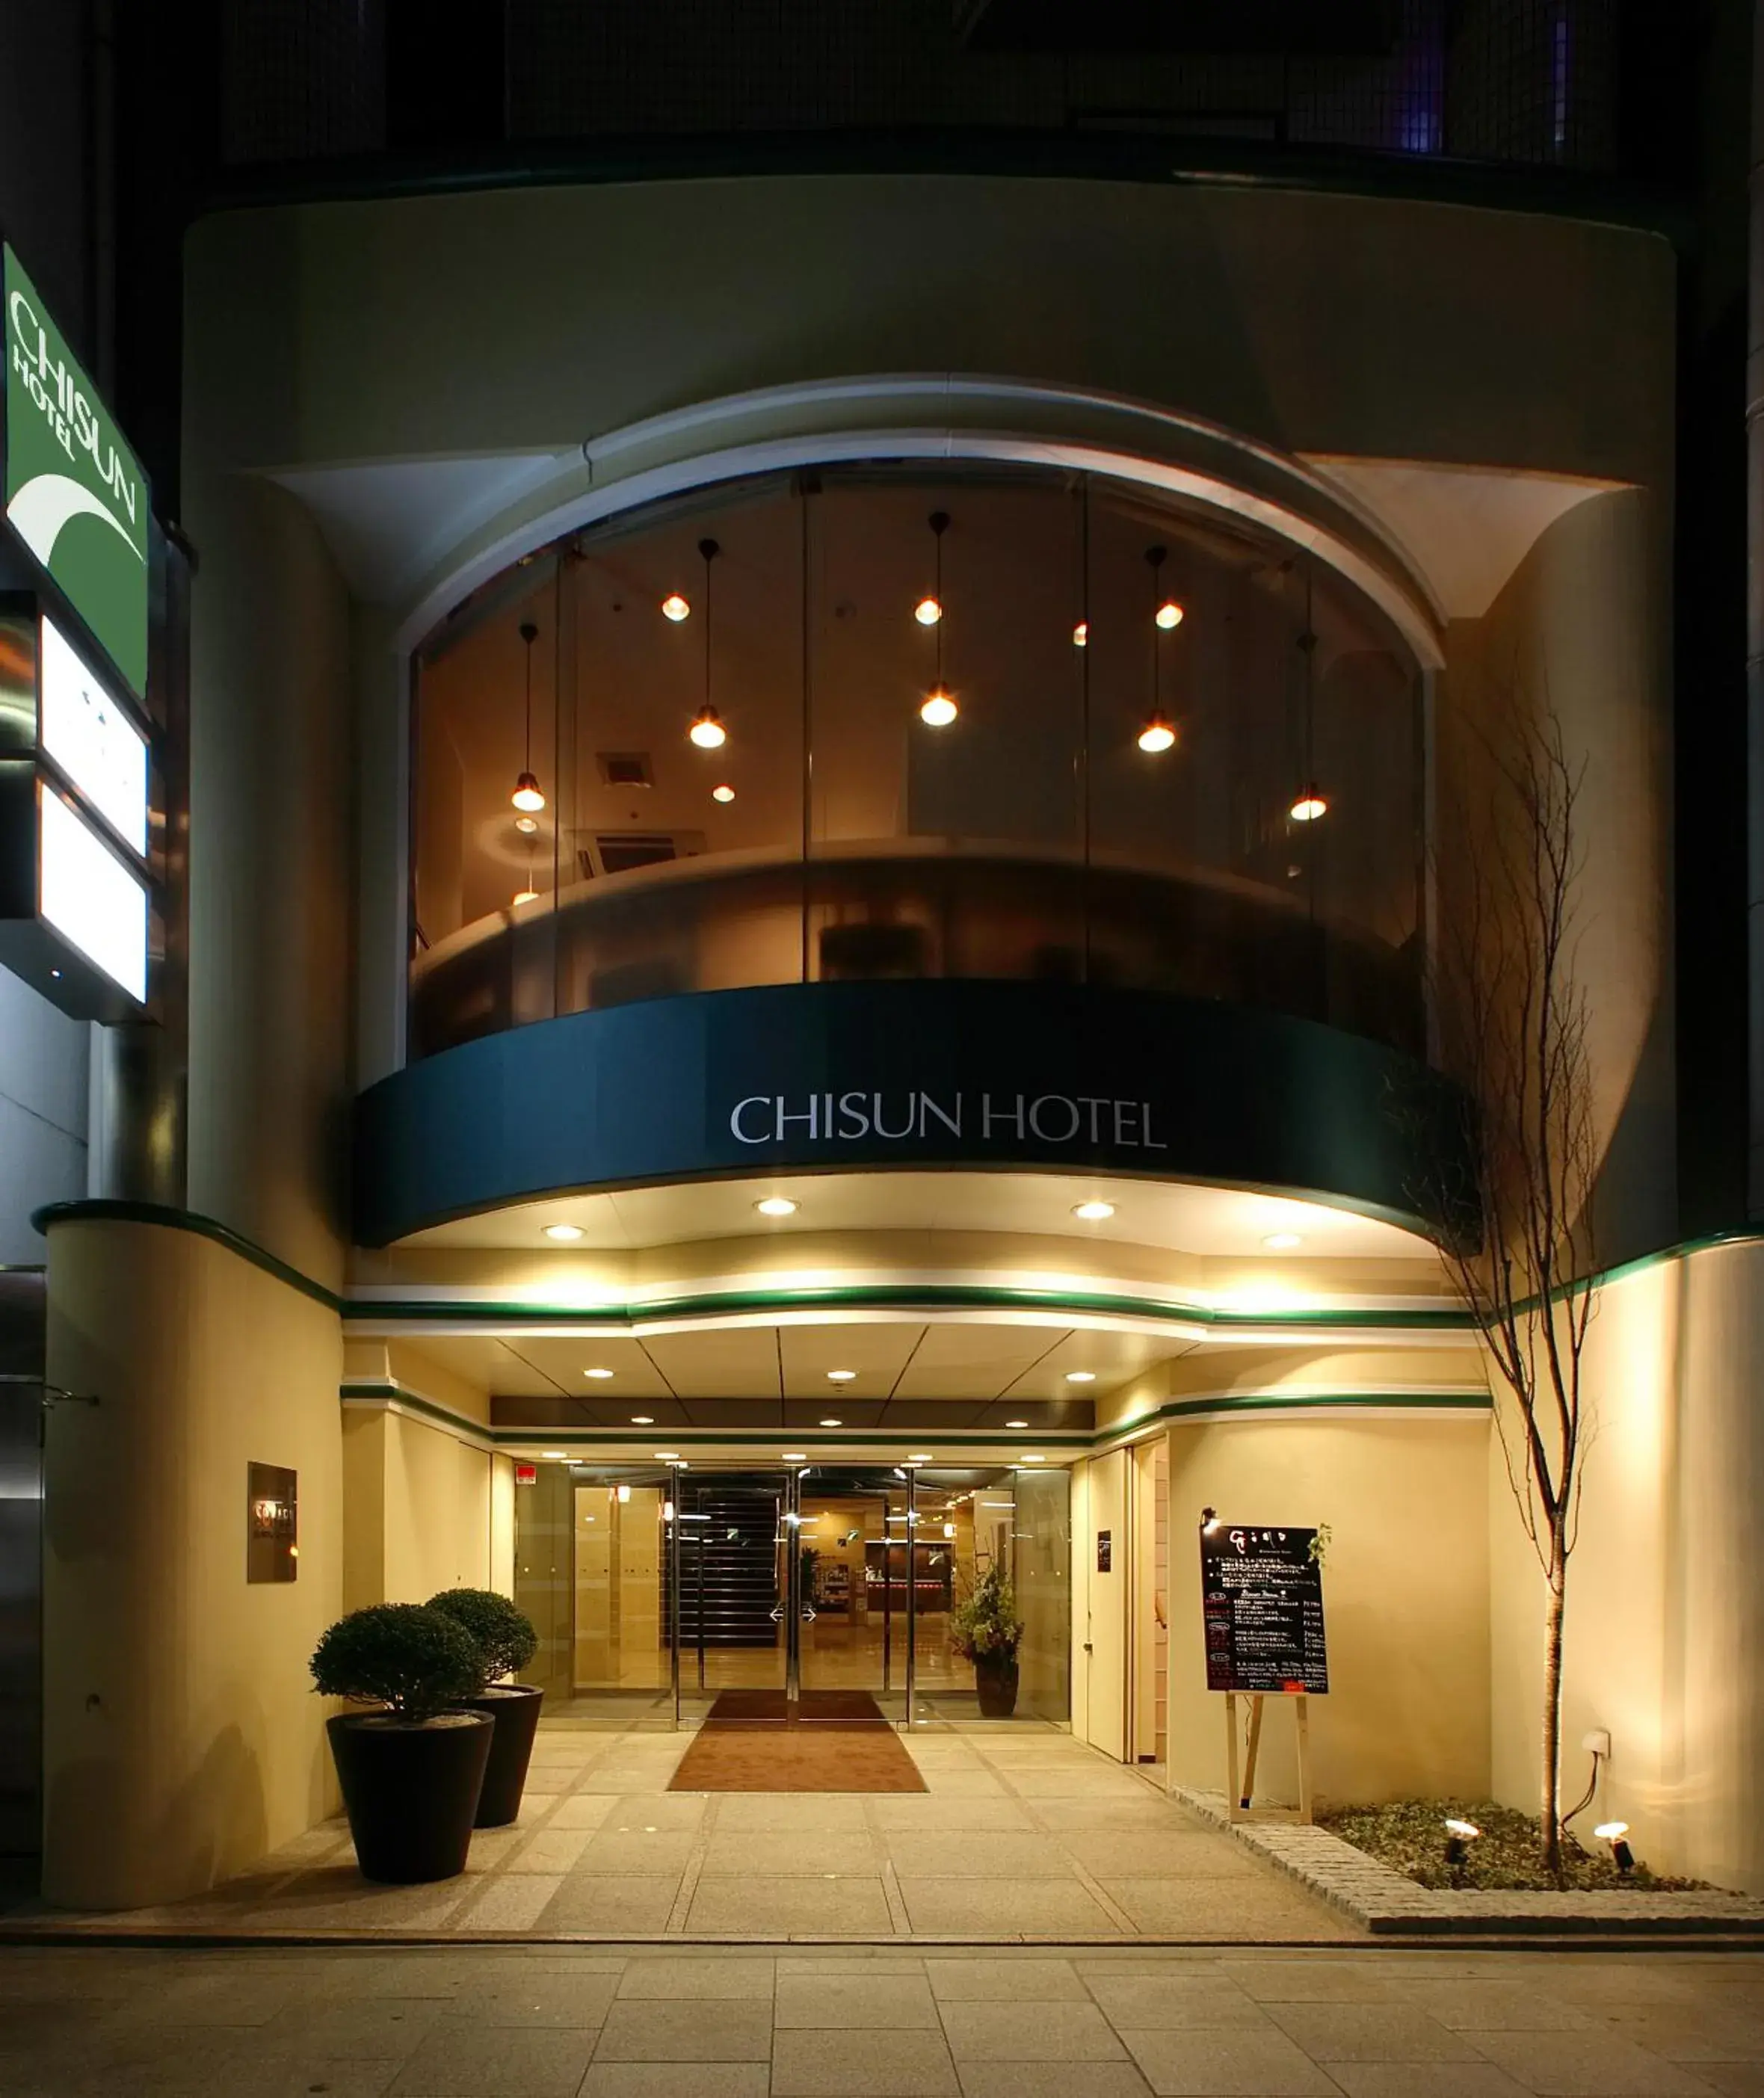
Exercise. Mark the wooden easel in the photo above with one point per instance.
(1238, 1797)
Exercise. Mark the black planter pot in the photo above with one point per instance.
(411, 1790)
(995, 1685)
(513, 1709)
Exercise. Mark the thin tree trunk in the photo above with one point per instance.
(1551, 1832)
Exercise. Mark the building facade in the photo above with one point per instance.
(823, 799)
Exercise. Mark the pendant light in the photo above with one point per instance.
(1157, 733)
(1310, 804)
(526, 796)
(707, 731)
(938, 709)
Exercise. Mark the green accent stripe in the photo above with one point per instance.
(1359, 1402)
(392, 1393)
(882, 1297)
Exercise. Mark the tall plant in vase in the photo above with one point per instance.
(984, 1628)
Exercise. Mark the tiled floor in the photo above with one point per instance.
(1021, 1834)
(502, 2021)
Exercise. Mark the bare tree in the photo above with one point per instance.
(1513, 1205)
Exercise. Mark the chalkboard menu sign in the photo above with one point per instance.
(1261, 1602)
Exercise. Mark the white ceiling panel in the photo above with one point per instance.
(567, 1361)
(973, 1361)
(877, 1352)
(730, 1362)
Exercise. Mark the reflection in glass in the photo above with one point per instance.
(1120, 812)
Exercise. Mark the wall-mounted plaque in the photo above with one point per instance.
(272, 1523)
(1262, 1605)
(1105, 1551)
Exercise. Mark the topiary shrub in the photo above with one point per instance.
(416, 1659)
(503, 1635)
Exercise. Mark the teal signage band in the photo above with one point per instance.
(75, 492)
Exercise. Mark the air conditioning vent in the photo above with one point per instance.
(624, 768)
(620, 852)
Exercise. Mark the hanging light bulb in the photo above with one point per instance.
(1169, 614)
(674, 607)
(707, 730)
(527, 796)
(1310, 806)
(526, 825)
(1080, 635)
(938, 709)
(1158, 734)
(723, 793)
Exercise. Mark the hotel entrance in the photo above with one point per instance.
(663, 1595)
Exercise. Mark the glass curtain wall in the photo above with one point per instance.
(881, 722)
(656, 1592)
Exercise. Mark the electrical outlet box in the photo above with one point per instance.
(1598, 1742)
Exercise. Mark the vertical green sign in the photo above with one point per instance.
(75, 492)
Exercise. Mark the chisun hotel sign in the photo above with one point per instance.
(75, 492)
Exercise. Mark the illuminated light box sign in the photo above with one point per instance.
(90, 738)
(75, 492)
(76, 894)
(86, 894)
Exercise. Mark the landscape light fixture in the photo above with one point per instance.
(1459, 1836)
(938, 708)
(527, 796)
(1614, 1832)
(707, 731)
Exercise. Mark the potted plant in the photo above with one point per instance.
(506, 1641)
(411, 1772)
(985, 1629)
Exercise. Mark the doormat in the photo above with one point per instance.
(860, 1754)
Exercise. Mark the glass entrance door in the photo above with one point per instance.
(729, 1585)
(854, 1600)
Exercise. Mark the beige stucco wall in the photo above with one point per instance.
(1665, 1598)
(182, 1738)
(1579, 634)
(1405, 1596)
(421, 1512)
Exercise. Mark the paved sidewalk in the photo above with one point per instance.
(518, 2022)
(1022, 1834)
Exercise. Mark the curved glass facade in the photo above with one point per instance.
(1182, 757)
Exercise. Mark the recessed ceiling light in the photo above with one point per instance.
(725, 792)
(831, 1423)
(1016, 1423)
(552, 1456)
(674, 607)
(1282, 1241)
(598, 1374)
(642, 1420)
(1081, 1376)
(795, 1456)
(1093, 1213)
(778, 1205)
(841, 1376)
(1029, 1457)
(562, 1232)
(666, 1456)
(526, 825)
(919, 1457)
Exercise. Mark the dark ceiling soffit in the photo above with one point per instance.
(1158, 158)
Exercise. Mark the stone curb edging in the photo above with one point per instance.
(1386, 1901)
